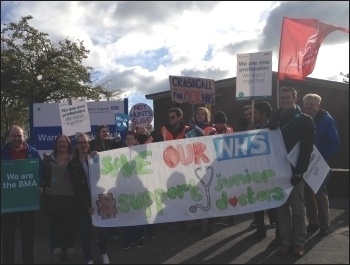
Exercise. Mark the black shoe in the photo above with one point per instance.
(324, 232)
(311, 228)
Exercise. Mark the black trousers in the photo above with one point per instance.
(9, 222)
(62, 228)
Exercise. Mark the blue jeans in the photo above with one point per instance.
(85, 230)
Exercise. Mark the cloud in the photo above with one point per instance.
(136, 45)
(335, 13)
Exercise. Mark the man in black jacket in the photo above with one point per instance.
(295, 127)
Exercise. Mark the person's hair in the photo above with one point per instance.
(178, 111)
(143, 137)
(131, 132)
(78, 135)
(12, 127)
(98, 131)
(264, 106)
(70, 149)
(289, 89)
(313, 96)
(246, 107)
(207, 114)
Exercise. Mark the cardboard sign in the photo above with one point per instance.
(141, 114)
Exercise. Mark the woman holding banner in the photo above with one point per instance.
(102, 142)
(200, 126)
(79, 171)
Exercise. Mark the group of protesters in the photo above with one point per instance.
(303, 213)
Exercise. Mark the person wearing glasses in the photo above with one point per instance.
(57, 204)
(174, 129)
(79, 171)
(103, 142)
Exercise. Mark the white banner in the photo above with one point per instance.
(318, 168)
(254, 75)
(187, 179)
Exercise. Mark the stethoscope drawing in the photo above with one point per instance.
(206, 186)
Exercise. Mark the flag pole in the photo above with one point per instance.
(278, 92)
(252, 119)
(278, 71)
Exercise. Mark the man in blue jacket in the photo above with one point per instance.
(327, 143)
(17, 148)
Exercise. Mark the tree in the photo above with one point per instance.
(346, 77)
(35, 70)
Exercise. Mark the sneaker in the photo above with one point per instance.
(70, 253)
(298, 251)
(126, 246)
(105, 259)
(324, 232)
(139, 244)
(311, 228)
(57, 254)
(90, 262)
(253, 224)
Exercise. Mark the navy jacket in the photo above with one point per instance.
(295, 126)
(327, 139)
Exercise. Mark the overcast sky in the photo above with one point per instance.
(137, 45)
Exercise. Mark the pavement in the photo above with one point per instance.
(227, 245)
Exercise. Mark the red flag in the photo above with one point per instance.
(300, 41)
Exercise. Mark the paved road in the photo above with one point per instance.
(228, 245)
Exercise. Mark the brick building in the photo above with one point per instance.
(335, 99)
